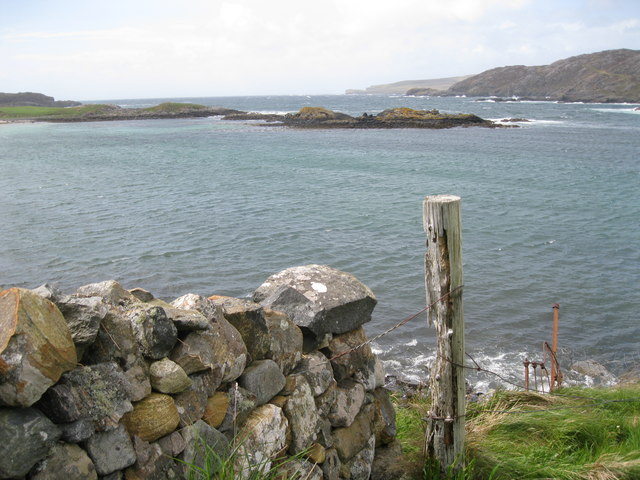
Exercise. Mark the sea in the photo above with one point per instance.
(550, 214)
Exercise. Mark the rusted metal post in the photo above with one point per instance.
(526, 374)
(443, 278)
(554, 348)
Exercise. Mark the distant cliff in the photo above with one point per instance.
(401, 88)
(609, 76)
(30, 99)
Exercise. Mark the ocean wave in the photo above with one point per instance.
(633, 111)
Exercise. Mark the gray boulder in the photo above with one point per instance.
(168, 377)
(318, 298)
(111, 451)
(110, 291)
(199, 438)
(264, 379)
(300, 410)
(83, 316)
(155, 332)
(96, 392)
(349, 398)
(350, 353)
(26, 436)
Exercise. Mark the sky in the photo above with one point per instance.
(116, 49)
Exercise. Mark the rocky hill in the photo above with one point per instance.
(401, 88)
(608, 76)
(31, 99)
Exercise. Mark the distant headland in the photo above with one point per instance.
(611, 76)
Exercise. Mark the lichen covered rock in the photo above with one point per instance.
(36, 347)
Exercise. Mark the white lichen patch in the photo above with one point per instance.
(319, 287)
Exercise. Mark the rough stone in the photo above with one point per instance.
(359, 467)
(302, 415)
(331, 465)
(200, 437)
(184, 319)
(319, 298)
(138, 378)
(348, 400)
(83, 317)
(173, 444)
(66, 461)
(316, 368)
(357, 359)
(264, 379)
(198, 303)
(50, 292)
(325, 402)
(35, 347)
(115, 342)
(26, 436)
(348, 441)
(385, 417)
(389, 463)
(316, 453)
(110, 291)
(261, 437)
(111, 451)
(191, 405)
(78, 431)
(153, 417)
(216, 409)
(207, 381)
(301, 469)
(372, 375)
(597, 374)
(142, 294)
(241, 403)
(219, 347)
(152, 464)
(156, 334)
(97, 392)
(168, 377)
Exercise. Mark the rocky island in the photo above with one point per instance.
(318, 117)
(307, 117)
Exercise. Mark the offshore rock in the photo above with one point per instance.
(155, 332)
(26, 436)
(168, 377)
(111, 451)
(153, 417)
(350, 354)
(264, 379)
(302, 415)
(66, 461)
(318, 298)
(35, 347)
(96, 392)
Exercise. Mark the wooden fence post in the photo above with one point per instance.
(443, 277)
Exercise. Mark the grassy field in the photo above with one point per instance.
(14, 113)
(573, 434)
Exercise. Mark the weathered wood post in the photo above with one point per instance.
(443, 279)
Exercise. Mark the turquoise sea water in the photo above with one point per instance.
(551, 213)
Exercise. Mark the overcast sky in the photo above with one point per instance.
(111, 49)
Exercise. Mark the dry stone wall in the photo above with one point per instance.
(112, 383)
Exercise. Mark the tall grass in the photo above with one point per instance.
(575, 434)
